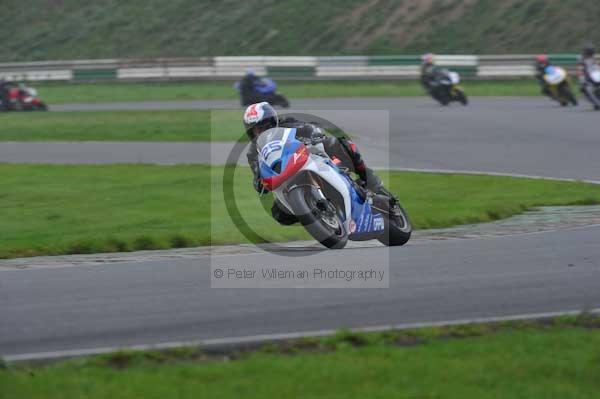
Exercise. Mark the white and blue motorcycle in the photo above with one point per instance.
(331, 206)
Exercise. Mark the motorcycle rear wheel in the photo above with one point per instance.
(398, 228)
(442, 100)
(278, 99)
(443, 95)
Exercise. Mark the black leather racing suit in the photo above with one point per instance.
(540, 71)
(4, 91)
(588, 88)
(340, 148)
(247, 85)
(429, 76)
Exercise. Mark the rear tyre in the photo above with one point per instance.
(438, 95)
(320, 217)
(398, 228)
(443, 100)
(446, 96)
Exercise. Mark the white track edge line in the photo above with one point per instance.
(236, 342)
(480, 172)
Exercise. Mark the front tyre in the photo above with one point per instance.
(319, 216)
(398, 228)
(462, 97)
(567, 94)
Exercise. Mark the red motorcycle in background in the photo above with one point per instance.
(22, 98)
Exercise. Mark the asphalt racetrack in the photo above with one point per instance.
(149, 302)
(530, 136)
(124, 303)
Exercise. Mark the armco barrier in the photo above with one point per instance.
(280, 67)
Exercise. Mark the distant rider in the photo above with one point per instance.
(541, 63)
(4, 93)
(429, 72)
(249, 82)
(585, 66)
(261, 117)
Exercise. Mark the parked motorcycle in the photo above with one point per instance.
(445, 88)
(331, 206)
(559, 86)
(264, 90)
(23, 98)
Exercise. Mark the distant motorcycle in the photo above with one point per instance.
(264, 90)
(595, 80)
(559, 86)
(445, 88)
(23, 98)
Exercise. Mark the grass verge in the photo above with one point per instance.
(553, 358)
(121, 126)
(54, 93)
(67, 209)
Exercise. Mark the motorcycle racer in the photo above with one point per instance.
(585, 66)
(430, 73)
(541, 63)
(261, 117)
(249, 81)
(254, 89)
(4, 93)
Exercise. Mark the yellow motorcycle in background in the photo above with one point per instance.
(559, 86)
(446, 88)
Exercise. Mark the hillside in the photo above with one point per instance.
(71, 29)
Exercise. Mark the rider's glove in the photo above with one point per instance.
(317, 136)
(259, 187)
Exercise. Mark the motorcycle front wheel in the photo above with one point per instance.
(462, 97)
(565, 92)
(319, 216)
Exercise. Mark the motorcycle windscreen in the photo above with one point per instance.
(280, 156)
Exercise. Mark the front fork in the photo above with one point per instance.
(455, 90)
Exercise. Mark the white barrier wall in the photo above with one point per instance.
(13, 76)
(284, 67)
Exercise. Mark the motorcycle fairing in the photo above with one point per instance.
(554, 75)
(266, 86)
(282, 156)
